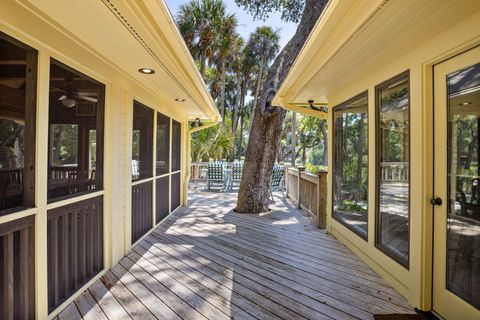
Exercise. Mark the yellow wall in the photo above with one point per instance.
(415, 283)
(22, 25)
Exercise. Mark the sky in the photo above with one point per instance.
(246, 23)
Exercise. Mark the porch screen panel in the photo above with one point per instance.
(162, 198)
(141, 209)
(142, 142)
(176, 145)
(18, 66)
(393, 167)
(175, 191)
(76, 124)
(75, 248)
(163, 144)
(17, 269)
(350, 164)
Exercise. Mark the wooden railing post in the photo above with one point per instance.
(300, 170)
(322, 199)
(285, 179)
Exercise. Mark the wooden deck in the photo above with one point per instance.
(206, 262)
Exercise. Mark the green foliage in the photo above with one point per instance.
(351, 150)
(311, 168)
(212, 143)
(200, 23)
(11, 138)
(291, 10)
(263, 43)
(230, 67)
(64, 144)
(352, 206)
(311, 136)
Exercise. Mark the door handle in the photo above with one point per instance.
(436, 201)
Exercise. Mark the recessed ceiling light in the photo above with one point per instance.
(179, 99)
(146, 71)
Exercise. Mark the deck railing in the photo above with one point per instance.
(394, 172)
(196, 173)
(308, 191)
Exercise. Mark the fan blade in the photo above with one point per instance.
(86, 98)
(62, 97)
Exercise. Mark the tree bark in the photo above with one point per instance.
(267, 120)
(257, 90)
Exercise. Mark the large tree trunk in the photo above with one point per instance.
(257, 90)
(267, 120)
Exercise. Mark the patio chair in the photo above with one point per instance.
(277, 180)
(215, 174)
(237, 169)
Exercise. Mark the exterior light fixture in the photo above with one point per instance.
(465, 103)
(179, 99)
(146, 70)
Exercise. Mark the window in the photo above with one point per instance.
(393, 167)
(76, 114)
(350, 164)
(18, 67)
(163, 144)
(142, 142)
(176, 141)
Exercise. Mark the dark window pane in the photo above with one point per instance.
(350, 164)
(17, 125)
(75, 127)
(176, 141)
(163, 144)
(142, 142)
(393, 164)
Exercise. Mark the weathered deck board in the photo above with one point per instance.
(206, 262)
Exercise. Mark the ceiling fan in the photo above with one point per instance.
(70, 96)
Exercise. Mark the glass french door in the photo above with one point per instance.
(456, 265)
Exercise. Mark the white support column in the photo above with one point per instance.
(187, 147)
(41, 159)
(154, 168)
(117, 178)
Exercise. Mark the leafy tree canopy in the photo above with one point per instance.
(291, 10)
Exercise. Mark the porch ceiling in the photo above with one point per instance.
(131, 35)
(352, 38)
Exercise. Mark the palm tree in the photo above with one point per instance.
(199, 22)
(237, 64)
(264, 45)
(227, 41)
(211, 143)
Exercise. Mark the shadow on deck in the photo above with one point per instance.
(206, 262)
